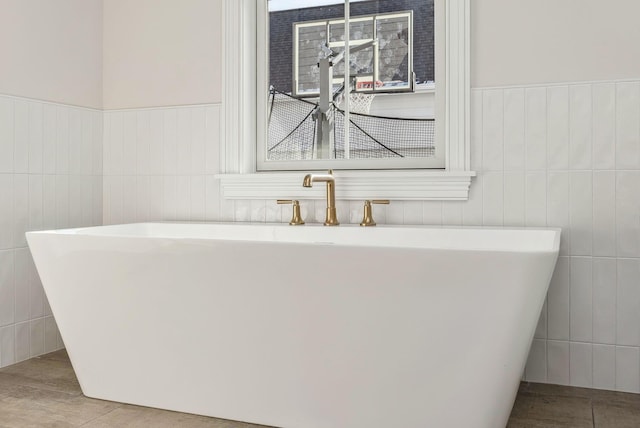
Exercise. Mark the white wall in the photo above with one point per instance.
(52, 50)
(162, 53)
(549, 41)
(50, 153)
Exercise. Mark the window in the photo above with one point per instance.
(244, 92)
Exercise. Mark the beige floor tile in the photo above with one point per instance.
(533, 410)
(25, 406)
(615, 415)
(56, 375)
(142, 417)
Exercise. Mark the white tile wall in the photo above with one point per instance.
(563, 156)
(50, 177)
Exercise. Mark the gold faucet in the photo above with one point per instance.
(367, 218)
(332, 217)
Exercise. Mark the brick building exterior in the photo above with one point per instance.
(281, 34)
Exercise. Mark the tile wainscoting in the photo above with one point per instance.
(565, 155)
(50, 177)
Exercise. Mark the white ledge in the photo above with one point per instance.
(351, 185)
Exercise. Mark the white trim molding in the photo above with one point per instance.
(351, 185)
(239, 179)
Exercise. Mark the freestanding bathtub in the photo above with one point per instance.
(301, 327)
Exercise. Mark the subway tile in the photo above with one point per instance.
(97, 201)
(452, 213)
(170, 141)
(86, 195)
(21, 280)
(143, 190)
(581, 365)
(98, 142)
(156, 142)
(535, 199)
(627, 129)
(493, 199)
(184, 141)
(6, 211)
(243, 211)
(62, 140)
(75, 140)
(129, 195)
(7, 345)
(258, 208)
(36, 197)
(604, 300)
(6, 134)
(36, 129)
(115, 198)
(212, 139)
(492, 130)
(75, 201)
(604, 213)
(558, 301)
(627, 369)
(432, 213)
(581, 212)
(156, 195)
(604, 125)
(628, 213)
(580, 296)
(36, 337)
(558, 206)
(23, 341)
(581, 145)
(514, 198)
(49, 202)
(604, 366)
(21, 136)
(395, 213)
(62, 201)
(476, 129)
(541, 327)
(170, 198)
(20, 209)
(7, 288)
(536, 128)
(50, 335)
(514, 129)
(558, 362)
(472, 209)
(412, 212)
(36, 292)
(628, 302)
(183, 198)
(536, 368)
(274, 212)
(558, 129)
(343, 211)
(86, 143)
(227, 209)
(129, 143)
(212, 198)
(198, 141)
(49, 127)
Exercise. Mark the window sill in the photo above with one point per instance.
(351, 185)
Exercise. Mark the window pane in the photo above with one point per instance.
(391, 88)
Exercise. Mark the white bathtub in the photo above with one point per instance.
(301, 327)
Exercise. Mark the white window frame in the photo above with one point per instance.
(239, 179)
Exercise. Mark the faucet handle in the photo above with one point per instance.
(367, 218)
(296, 218)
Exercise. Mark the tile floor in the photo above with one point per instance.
(44, 392)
